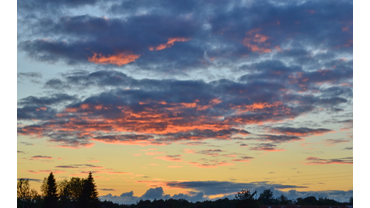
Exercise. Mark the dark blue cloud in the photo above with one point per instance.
(45, 101)
(227, 31)
(35, 112)
(228, 189)
(289, 59)
(153, 193)
(218, 107)
(224, 187)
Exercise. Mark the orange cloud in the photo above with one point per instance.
(188, 150)
(169, 44)
(259, 106)
(119, 59)
(256, 42)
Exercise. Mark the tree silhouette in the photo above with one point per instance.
(75, 188)
(283, 200)
(49, 190)
(89, 195)
(65, 195)
(246, 199)
(266, 197)
(27, 197)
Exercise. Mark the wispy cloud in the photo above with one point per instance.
(319, 161)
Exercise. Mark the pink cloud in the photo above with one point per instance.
(172, 158)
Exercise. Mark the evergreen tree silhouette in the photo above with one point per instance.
(49, 189)
(266, 197)
(89, 195)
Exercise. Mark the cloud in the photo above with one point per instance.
(145, 113)
(45, 101)
(153, 193)
(171, 158)
(224, 187)
(125, 139)
(319, 161)
(210, 152)
(31, 179)
(348, 148)
(194, 143)
(243, 159)
(276, 138)
(119, 59)
(65, 166)
(256, 42)
(27, 143)
(97, 48)
(215, 164)
(107, 189)
(36, 157)
(35, 113)
(302, 131)
(348, 125)
(169, 44)
(266, 147)
(32, 76)
(332, 142)
(284, 64)
(287, 31)
(55, 171)
(79, 166)
(203, 189)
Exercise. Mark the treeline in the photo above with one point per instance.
(82, 193)
(73, 193)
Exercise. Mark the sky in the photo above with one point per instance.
(189, 99)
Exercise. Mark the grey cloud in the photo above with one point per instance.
(275, 138)
(229, 100)
(204, 189)
(107, 189)
(30, 179)
(224, 187)
(219, 31)
(50, 100)
(56, 84)
(302, 131)
(35, 113)
(29, 75)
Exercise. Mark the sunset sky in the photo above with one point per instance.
(193, 99)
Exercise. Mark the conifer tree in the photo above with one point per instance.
(89, 195)
(49, 190)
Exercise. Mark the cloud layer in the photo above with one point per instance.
(203, 190)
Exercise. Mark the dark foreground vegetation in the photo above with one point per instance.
(82, 193)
